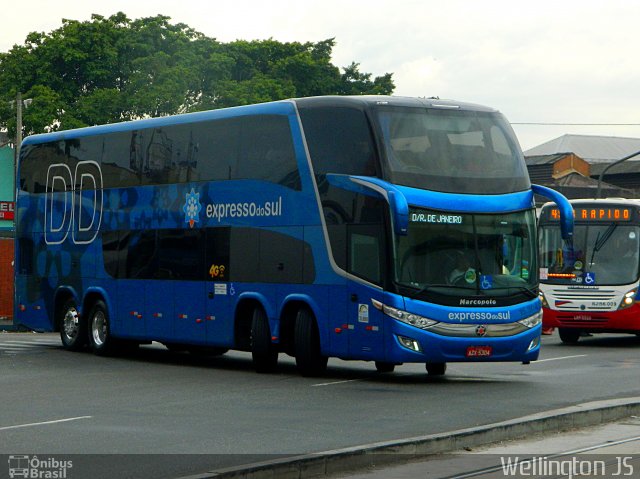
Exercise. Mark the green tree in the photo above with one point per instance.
(112, 69)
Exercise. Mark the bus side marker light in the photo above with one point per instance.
(338, 330)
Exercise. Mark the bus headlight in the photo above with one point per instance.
(409, 318)
(532, 321)
(628, 299)
(545, 304)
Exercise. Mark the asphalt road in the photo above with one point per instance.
(218, 411)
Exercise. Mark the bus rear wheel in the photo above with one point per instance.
(73, 328)
(263, 352)
(436, 369)
(100, 339)
(309, 359)
(569, 336)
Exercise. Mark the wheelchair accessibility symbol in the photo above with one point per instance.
(486, 282)
(589, 278)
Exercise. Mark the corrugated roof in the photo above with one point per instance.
(591, 148)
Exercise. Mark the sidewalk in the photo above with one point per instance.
(608, 450)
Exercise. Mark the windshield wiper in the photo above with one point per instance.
(601, 241)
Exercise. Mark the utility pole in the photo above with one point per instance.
(18, 124)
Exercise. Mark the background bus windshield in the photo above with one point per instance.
(602, 254)
(467, 255)
(455, 151)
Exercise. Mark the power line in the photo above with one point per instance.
(573, 124)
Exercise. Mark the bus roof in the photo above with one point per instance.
(277, 107)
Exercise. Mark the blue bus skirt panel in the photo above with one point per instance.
(441, 349)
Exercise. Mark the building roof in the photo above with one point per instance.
(591, 148)
(544, 159)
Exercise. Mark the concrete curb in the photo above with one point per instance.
(388, 452)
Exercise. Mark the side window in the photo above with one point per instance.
(121, 159)
(365, 251)
(140, 255)
(180, 255)
(34, 165)
(355, 223)
(214, 147)
(218, 249)
(339, 141)
(267, 151)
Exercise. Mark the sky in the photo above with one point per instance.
(552, 67)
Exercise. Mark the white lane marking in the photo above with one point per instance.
(44, 423)
(335, 382)
(557, 359)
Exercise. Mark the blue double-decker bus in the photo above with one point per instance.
(385, 229)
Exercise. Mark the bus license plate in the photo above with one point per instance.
(478, 351)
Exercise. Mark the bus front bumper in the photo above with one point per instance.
(406, 344)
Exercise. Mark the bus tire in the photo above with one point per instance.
(569, 336)
(100, 340)
(73, 328)
(436, 369)
(309, 359)
(384, 367)
(263, 352)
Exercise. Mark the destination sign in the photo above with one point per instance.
(435, 218)
(596, 214)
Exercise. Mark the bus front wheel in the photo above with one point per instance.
(309, 359)
(385, 367)
(569, 336)
(436, 369)
(263, 352)
(100, 339)
(73, 328)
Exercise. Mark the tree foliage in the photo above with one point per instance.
(114, 69)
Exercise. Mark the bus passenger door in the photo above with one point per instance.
(219, 318)
(365, 259)
(366, 340)
(220, 293)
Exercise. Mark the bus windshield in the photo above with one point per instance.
(454, 151)
(462, 255)
(601, 254)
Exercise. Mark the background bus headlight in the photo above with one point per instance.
(628, 299)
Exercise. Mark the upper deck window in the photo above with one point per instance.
(453, 151)
(339, 141)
